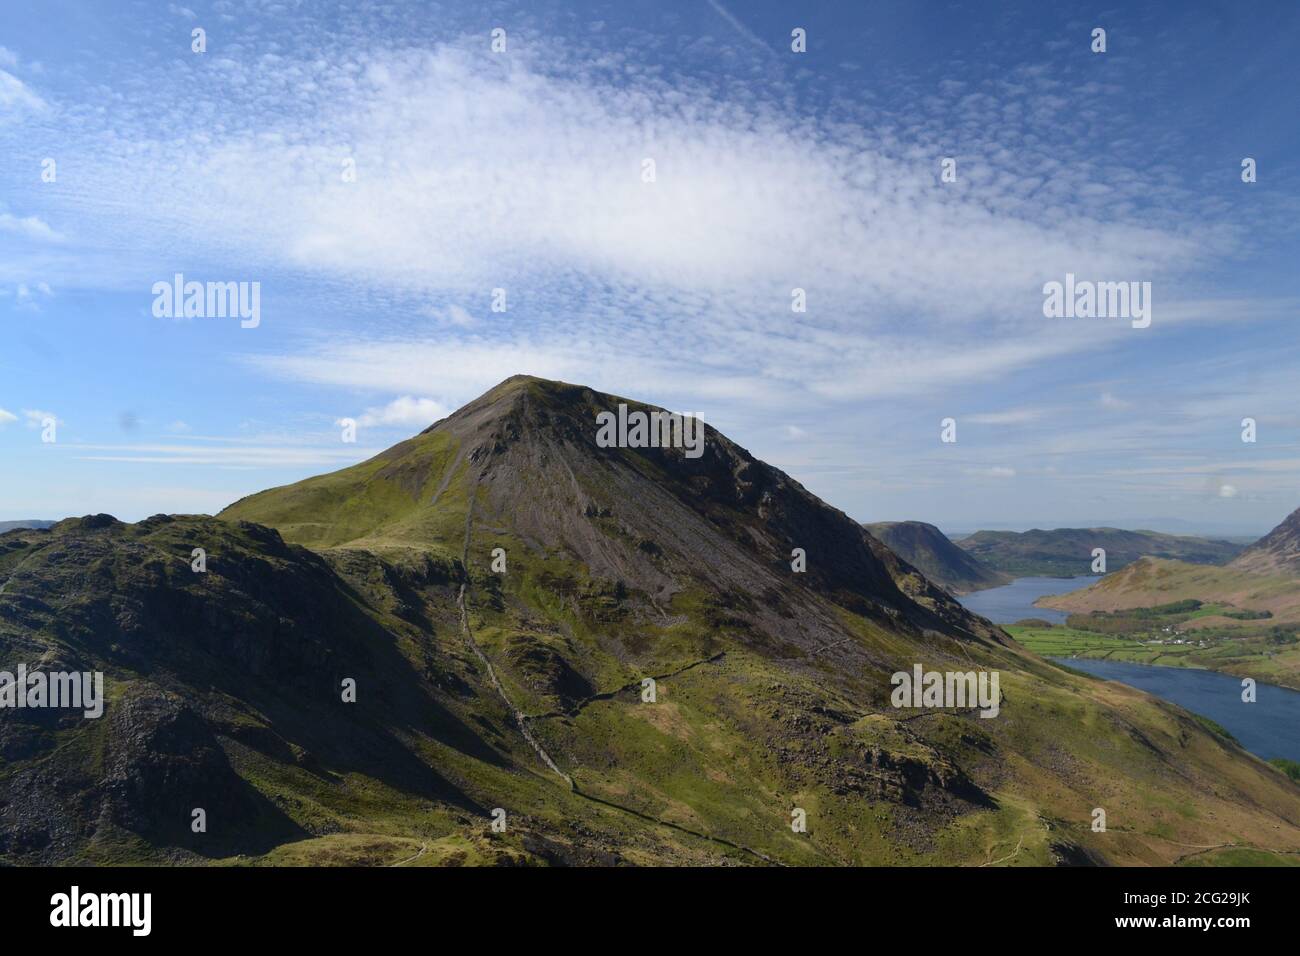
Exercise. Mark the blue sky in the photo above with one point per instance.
(522, 170)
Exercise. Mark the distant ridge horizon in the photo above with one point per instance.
(1173, 526)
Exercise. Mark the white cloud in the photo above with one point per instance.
(1227, 309)
(24, 292)
(27, 297)
(29, 227)
(17, 96)
(234, 455)
(451, 315)
(6, 417)
(404, 411)
(471, 175)
(779, 372)
(996, 471)
(464, 371)
(37, 418)
(1227, 491)
(1014, 416)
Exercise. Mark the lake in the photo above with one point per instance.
(1268, 728)
(1015, 601)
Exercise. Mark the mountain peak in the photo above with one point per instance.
(658, 522)
(507, 396)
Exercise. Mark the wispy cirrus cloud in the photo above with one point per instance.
(476, 171)
(1011, 416)
(222, 456)
(995, 471)
(744, 31)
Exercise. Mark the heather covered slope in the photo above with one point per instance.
(522, 689)
(1068, 551)
(928, 549)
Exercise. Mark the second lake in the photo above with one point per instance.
(1015, 601)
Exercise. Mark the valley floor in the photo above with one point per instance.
(1216, 636)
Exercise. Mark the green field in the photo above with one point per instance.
(1072, 642)
(1254, 648)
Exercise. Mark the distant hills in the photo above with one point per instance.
(928, 549)
(27, 523)
(1067, 552)
(1264, 577)
(636, 656)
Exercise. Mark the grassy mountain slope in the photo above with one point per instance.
(928, 549)
(1067, 552)
(1278, 552)
(1153, 581)
(523, 689)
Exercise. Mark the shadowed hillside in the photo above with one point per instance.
(928, 549)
